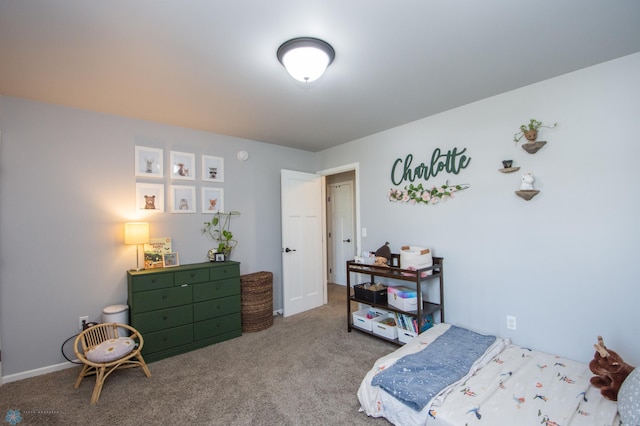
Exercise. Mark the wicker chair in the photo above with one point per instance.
(91, 338)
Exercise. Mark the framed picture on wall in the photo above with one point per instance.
(212, 169)
(170, 259)
(149, 162)
(150, 197)
(183, 165)
(183, 199)
(212, 200)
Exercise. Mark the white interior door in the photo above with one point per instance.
(302, 248)
(342, 230)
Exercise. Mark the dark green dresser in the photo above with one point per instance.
(185, 307)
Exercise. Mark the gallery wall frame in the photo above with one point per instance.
(212, 200)
(150, 197)
(149, 162)
(212, 169)
(183, 199)
(183, 165)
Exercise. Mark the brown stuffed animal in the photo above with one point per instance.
(381, 261)
(609, 369)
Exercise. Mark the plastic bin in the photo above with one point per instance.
(118, 314)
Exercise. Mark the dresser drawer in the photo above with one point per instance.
(215, 326)
(163, 319)
(224, 271)
(165, 339)
(216, 289)
(164, 298)
(151, 281)
(191, 277)
(216, 307)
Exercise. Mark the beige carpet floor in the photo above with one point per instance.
(304, 370)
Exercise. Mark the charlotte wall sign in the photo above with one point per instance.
(403, 171)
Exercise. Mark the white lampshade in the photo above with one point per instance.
(306, 58)
(136, 233)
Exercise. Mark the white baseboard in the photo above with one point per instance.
(37, 372)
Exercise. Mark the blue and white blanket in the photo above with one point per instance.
(415, 379)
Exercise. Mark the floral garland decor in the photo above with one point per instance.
(418, 194)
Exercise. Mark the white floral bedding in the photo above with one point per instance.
(508, 385)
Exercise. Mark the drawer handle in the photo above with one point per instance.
(165, 338)
(164, 296)
(153, 280)
(165, 317)
(192, 275)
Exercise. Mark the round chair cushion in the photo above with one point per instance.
(110, 350)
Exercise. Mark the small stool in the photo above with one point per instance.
(257, 301)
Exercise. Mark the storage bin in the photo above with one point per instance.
(256, 301)
(414, 258)
(402, 298)
(405, 336)
(360, 319)
(390, 331)
(370, 296)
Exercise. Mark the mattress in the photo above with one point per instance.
(507, 384)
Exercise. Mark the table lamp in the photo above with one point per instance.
(136, 233)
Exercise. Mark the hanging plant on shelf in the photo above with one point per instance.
(218, 228)
(417, 194)
(530, 130)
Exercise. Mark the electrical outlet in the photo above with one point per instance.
(80, 321)
(511, 322)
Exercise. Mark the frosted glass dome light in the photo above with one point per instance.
(306, 58)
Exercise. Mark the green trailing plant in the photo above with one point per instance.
(530, 130)
(218, 228)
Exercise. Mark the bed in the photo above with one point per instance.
(499, 384)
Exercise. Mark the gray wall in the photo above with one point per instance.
(564, 264)
(67, 186)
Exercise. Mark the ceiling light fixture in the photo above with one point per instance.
(306, 58)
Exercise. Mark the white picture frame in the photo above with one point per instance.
(183, 199)
(183, 165)
(149, 162)
(150, 197)
(170, 260)
(212, 169)
(212, 200)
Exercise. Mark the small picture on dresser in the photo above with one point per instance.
(170, 259)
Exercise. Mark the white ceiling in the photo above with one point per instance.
(211, 65)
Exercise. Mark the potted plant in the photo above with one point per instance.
(530, 130)
(218, 228)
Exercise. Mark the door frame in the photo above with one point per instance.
(355, 167)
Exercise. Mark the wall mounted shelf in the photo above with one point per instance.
(533, 147)
(527, 194)
(509, 170)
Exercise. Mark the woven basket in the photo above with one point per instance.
(257, 301)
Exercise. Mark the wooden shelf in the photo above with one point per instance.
(397, 273)
(533, 147)
(509, 170)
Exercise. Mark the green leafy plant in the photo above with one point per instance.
(416, 194)
(218, 228)
(530, 130)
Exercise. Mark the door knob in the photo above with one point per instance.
(287, 250)
(348, 240)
